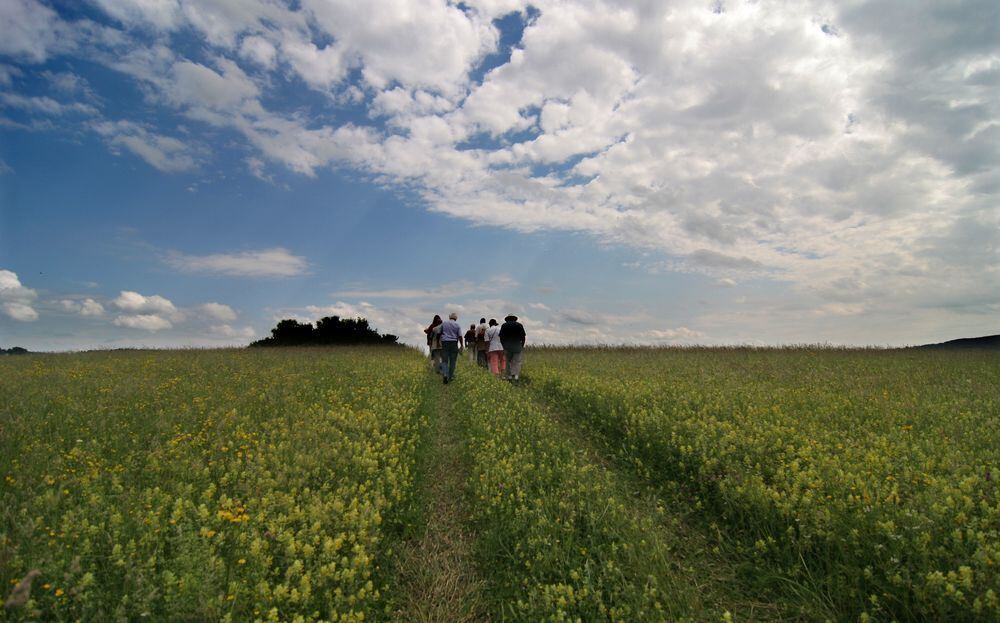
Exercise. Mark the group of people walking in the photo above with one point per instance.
(492, 345)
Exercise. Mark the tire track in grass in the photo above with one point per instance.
(725, 582)
(437, 579)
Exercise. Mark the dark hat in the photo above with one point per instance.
(510, 318)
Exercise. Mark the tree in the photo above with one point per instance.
(331, 330)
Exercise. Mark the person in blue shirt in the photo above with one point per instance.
(451, 340)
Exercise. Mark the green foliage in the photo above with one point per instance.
(870, 475)
(242, 485)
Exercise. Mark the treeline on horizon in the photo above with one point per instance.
(329, 331)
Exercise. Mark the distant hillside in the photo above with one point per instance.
(991, 342)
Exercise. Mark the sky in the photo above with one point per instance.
(188, 172)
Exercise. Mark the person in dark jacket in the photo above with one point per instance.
(470, 342)
(434, 342)
(512, 337)
(482, 344)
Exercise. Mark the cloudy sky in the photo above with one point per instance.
(187, 172)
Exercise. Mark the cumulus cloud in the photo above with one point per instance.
(275, 262)
(145, 322)
(218, 311)
(149, 313)
(845, 149)
(228, 331)
(15, 299)
(88, 307)
(156, 313)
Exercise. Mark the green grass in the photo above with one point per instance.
(614, 484)
(867, 476)
(233, 485)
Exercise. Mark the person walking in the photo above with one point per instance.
(482, 344)
(451, 339)
(434, 342)
(495, 352)
(512, 338)
(470, 343)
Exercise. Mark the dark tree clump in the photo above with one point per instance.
(329, 331)
(17, 350)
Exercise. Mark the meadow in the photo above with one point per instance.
(610, 485)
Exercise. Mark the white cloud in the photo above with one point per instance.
(228, 331)
(19, 311)
(319, 67)
(218, 311)
(28, 29)
(680, 333)
(199, 86)
(848, 150)
(165, 153)
(136, 303)
(259, 50)
(8, 73)
(164, 15)
(146, 322)
(45, 105)
(455, 289)
(88, 307)
(276, 262)
(450, 41)
(15, 299)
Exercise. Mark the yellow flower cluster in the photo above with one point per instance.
(872, 474)
(207, 485)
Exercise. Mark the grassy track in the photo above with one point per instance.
(438, 580)
(725, 579)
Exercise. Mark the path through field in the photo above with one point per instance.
(439, 580)
(699, 565)
(442, 581)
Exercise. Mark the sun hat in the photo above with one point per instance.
(510, 317)
(453, 315)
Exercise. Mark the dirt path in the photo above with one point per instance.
(438, 577)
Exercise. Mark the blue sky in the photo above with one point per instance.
(187, 173)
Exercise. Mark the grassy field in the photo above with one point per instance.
(611, 485)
